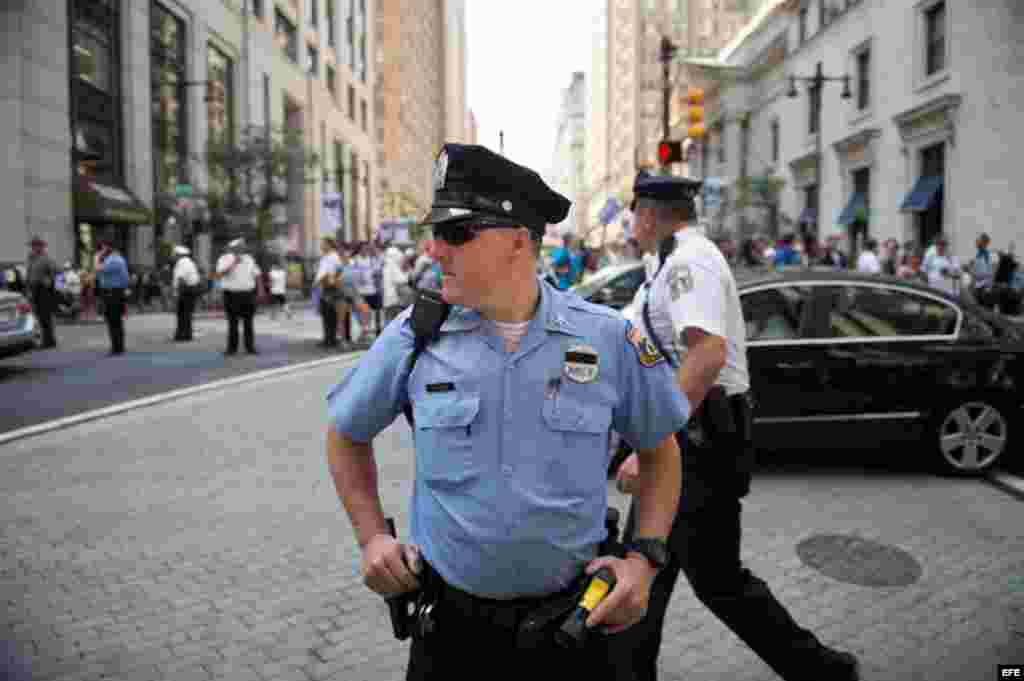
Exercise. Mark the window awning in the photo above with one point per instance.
(923, 194)
(856, 208)
(97, 202)
(809, 216)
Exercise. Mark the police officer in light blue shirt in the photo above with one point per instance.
(512, 406)
(112, 281)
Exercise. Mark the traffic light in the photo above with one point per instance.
(670, 151)
(695, 117)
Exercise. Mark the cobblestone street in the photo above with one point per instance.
(202, 539)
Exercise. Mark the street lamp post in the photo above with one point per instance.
(815, 84)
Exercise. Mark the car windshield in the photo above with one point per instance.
(601, 279)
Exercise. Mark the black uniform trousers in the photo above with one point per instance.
(114, 304)
(329, 317)
(470, 631)
(240, 306)
(705, 546)
(186, 308)
(44, 300)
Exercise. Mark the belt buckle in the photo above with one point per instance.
(425, 620)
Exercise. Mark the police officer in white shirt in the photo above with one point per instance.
(238, 272)
(185, 281)
(690, 308)
(867, 261)
(943, 270)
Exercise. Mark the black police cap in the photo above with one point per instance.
(668, 188)
(473, 182)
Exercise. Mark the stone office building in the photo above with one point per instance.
(107, 106)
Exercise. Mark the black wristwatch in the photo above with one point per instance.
(654, 550)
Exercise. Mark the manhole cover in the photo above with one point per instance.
(855, 560)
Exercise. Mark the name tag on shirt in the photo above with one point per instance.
(440, 387)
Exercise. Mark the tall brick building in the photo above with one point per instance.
(420, 97)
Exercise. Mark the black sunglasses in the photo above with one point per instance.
(460, 233)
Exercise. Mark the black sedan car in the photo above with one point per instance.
(842, 360)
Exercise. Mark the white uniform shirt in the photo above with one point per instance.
(695, 289)
(243, 277)
(329, 264)
(185, 272)
(277, 281)
(868, 262)
(72, 283)
(936, 267)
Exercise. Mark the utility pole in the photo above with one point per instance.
(665, 56)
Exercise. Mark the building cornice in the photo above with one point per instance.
(946, 104)
(857, 139)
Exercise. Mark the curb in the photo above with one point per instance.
(1008, 482)
(152, 400)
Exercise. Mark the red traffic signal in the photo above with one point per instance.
(670, 151)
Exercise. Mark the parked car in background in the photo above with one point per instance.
(842, 360)
(19, 331)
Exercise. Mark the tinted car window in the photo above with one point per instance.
(775, 313)
(873, 312)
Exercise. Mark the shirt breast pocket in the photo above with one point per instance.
(579, 431)
(444, 438)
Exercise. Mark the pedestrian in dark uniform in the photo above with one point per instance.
(238, 273)
(512, 405)
(112, 280)
(42, 277)
(691, 311)
(186, 282)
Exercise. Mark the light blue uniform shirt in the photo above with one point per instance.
(512, 453)
(113, 273)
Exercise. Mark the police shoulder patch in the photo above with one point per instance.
(645, 350)
(680, 281)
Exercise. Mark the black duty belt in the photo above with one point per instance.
(531, 617)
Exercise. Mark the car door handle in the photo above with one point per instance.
(841, 354)
(796, 365)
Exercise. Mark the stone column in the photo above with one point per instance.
(14, 229)
(137, 108)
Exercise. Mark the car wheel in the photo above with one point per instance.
(971, 435)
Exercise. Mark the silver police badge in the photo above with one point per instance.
(680, 281)
(440, 171)
(581, 364)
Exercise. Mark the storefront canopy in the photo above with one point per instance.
(923, 194)
(856, 208)
(98, 202)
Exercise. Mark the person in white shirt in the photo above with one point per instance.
(942, 269)
(328, 285)
(278, 288)
(185, 281)
(238, 273)
(868, 261)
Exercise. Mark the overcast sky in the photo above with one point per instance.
(522, 54)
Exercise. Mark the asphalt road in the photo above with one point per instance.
(202, 539)
(78, 376)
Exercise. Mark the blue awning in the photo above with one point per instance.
(809, 216)
(857, 205)
(923, 194)
(611, 209)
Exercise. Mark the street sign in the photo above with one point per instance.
(183, 190)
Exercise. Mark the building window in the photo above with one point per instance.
(287, 37)
(802, 25)
(350, 34)
(339, 167)
(810, 209)
(312, 61)
(354, 170)
(864, 79)
(314, 13)
(862, 186)
(95, 84)
(362, 58)
(170, 104)
(220, 95)
(331, 85)
(362, 107)
(933, 161)
(775, 141)
(935, 38)
(822, 14)
(331, 31)
(351, 103)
